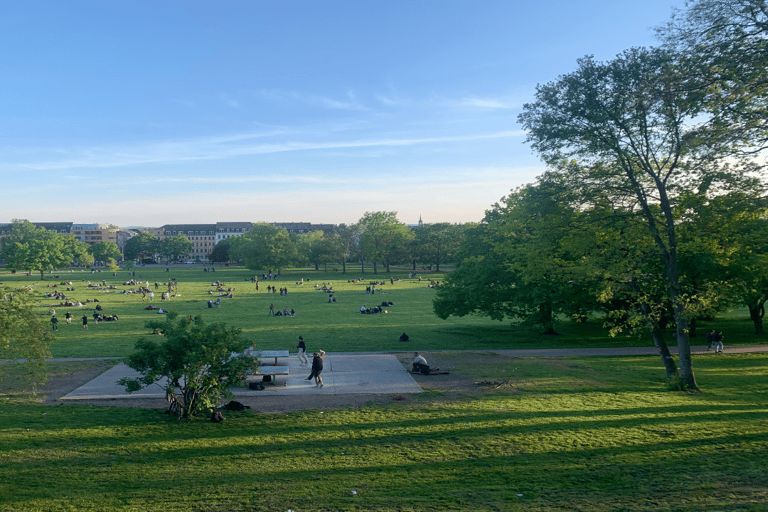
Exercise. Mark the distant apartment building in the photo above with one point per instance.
(202, 236)
(226, 230)
(95, 233)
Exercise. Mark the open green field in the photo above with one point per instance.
(332, 327)
(587, 434)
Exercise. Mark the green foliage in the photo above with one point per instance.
(383, 239)
(174, 247)
(141, 246)
(104, 251)
(263, 247)
(23, 337)
(525, 262)
(39, 250)
(723, 49)
(220, 252)
(193, 361)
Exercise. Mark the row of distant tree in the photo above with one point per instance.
(377, 239)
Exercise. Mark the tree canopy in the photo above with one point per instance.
(264, 246)
(194, 362)
(39, 250)
(22, 336)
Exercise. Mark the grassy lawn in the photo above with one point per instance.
(332, 327)
(591, 434)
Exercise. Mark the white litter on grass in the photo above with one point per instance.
(354, 492)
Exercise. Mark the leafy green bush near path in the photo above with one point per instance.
(590, 434)
(332, 327)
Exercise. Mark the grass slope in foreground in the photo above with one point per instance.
(589, 434)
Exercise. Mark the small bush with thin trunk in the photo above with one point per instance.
(194, 362)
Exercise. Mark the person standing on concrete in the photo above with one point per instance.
(302, 352)
(317, 368)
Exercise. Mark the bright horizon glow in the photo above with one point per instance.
(136, 113)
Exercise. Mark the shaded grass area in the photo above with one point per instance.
(591, 434)
(332, 327)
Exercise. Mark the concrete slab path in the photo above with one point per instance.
(350, 373)
(343, 373)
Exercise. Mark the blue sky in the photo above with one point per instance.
(147, 113)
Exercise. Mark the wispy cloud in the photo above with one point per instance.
(228, 146)
(313, 100)
(484, 103)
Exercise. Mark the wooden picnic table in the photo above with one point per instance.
(273, 353)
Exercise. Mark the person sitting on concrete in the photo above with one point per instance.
(419, 364)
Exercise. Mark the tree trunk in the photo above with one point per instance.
(344, 267)
(657, 334)
(692, 328)
(375, 267)
(756, 313)
(687, 378)
(666, 357)
(546, 318)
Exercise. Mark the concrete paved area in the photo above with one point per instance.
(350, 373)
(342, 374)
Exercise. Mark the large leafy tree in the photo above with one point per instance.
(193, 361)
(39, 250)
(316, 248)
(523, 262)
(103, 251)
(632, 125)
(175, 246)
(723, 45)
(383, 239)
(344, 242)
(264, 246)
(141, 246)
(437, 243)
(220, 252)
(23, 338)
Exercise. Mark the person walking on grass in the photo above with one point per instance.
(54, 323)
(85, 321)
